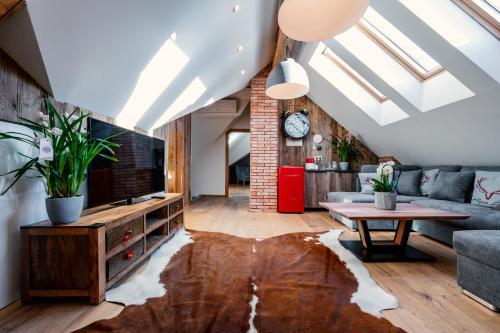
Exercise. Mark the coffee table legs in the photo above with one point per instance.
(396, 250)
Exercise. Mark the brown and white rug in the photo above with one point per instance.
(214, 282)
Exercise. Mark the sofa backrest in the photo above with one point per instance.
(481, 168)
(447, 168)
(370, 168)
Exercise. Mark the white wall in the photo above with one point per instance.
(208, 147)
(240, 147)
(23, 204)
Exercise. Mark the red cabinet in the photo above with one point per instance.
(290, 189)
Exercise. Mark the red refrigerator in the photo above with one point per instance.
(290, 189)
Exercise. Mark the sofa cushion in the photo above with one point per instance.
(453, 186)
(409, 199)
(486, 189)
(365, 180)
(409, 182)
(351, 197)
(480, 245)
(427, 181)
(447, 168)
(480, 217)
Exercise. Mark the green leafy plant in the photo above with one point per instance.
(385, 181)
(346, 148)
(73, 150)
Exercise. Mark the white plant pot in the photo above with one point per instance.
(344, 166)
(385, 200)
(64, 210)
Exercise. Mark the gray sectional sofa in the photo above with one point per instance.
(482, 218)
(476, 240)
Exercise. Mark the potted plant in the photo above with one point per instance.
(385, 187)
(346, 149)
(65, 154)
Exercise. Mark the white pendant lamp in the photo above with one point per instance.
(315, 20)
(288, 80)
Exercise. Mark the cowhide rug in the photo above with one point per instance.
(214, 282)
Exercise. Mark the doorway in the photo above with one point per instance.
(238, 163)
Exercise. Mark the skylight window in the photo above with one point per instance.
(400, 47)
(354, 75)
(462, 31)
(485, 12)
(353, 86)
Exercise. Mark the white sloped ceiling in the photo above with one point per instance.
(466, 131)
(151, 60)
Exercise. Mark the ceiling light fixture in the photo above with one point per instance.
(288, 80)
(236, 8)
(242, 72)
(307, 21)
(240, 48)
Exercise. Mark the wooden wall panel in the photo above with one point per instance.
(321, 123)
(177, 136)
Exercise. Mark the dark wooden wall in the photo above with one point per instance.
(21, 96)
(321, 123)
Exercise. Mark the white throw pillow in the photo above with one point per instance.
(366, 182)
(428, 179)
(486, 189)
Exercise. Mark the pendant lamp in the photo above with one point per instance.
(288, 80)
(316, 20)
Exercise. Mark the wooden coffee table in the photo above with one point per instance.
(398, 249)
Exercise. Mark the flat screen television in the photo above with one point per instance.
(138, 172)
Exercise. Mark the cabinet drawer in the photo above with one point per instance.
(119, 236)
(123, 259)
(175, 223)
(175, 207)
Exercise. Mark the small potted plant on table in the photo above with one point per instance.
(66, 151)
(346, 149)
(385, 187)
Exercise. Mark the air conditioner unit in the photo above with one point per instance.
(223, 107)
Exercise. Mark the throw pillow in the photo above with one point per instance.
(427, 181)
(366, 182)
(486, 189)
(409, 183)
(452, 186)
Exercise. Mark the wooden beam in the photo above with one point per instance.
(9, 7)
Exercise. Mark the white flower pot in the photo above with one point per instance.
(385, 200)
(64, 210)
(344, 166)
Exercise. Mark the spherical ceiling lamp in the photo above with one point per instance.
(315, 20)
(288, 80)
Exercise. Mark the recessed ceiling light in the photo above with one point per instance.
(236, 8)
(240, 48)
(242, 72)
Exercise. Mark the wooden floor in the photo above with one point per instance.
(239, 190)
(430, 299)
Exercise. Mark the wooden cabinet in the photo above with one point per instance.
(317, 185)
(85, 258)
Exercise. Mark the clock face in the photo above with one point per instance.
(297, 125)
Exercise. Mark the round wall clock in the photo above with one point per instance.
(296, 125)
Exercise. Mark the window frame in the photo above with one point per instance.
(480, 16)
(354, 75)
(396, 56)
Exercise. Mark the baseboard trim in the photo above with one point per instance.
(11, 307)
(480, 300)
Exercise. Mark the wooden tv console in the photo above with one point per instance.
(84, 258)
